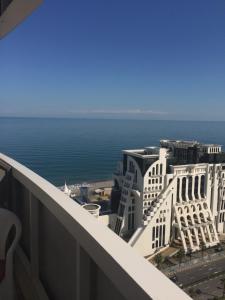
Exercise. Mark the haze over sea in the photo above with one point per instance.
(78, 150)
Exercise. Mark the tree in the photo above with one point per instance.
(180, 255)
(158, 259)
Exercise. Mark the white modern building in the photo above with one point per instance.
(174, 193)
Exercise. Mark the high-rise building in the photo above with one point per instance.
(174, 193)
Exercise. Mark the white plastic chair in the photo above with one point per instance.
(10, 231)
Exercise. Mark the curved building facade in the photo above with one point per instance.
(174, 193)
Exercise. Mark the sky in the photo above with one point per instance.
(148, 59)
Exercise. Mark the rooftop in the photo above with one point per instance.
(186, 143)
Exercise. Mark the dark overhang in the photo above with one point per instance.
(13, 12)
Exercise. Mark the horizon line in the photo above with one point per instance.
(109, 119)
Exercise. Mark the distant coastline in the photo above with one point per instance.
(92, 183)
(106, 118)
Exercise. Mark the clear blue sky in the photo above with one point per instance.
(119, 59)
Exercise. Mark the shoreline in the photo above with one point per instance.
(95, 184)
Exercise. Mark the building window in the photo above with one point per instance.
(178, 190)
(130, 221)
(131, 167)
(164, 231)
(153, 171)
(190, 188)
(161, 169)
(157, 231)
(196, 187)
(160, 235)
(153, 233)
(184, 188)
(118, 226)
(202, 188)
(121, 210)
(135, 177)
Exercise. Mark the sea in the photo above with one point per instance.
(82, 150)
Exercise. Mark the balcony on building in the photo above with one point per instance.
(65, 253)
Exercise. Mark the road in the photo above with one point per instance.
(200, 273)
(209, 289)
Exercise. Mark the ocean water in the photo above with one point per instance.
(79, 150)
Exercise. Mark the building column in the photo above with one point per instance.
(186, 189)
(199, 187)
(193, 187)
(183, 241)
(209, 234)
(190, 239)
(208, 186)
(180, 190)
(216, 238)
(203, 235)
(196, 236)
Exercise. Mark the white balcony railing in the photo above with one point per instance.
(66, 254)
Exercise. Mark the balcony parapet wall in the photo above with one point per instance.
(104, 266)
